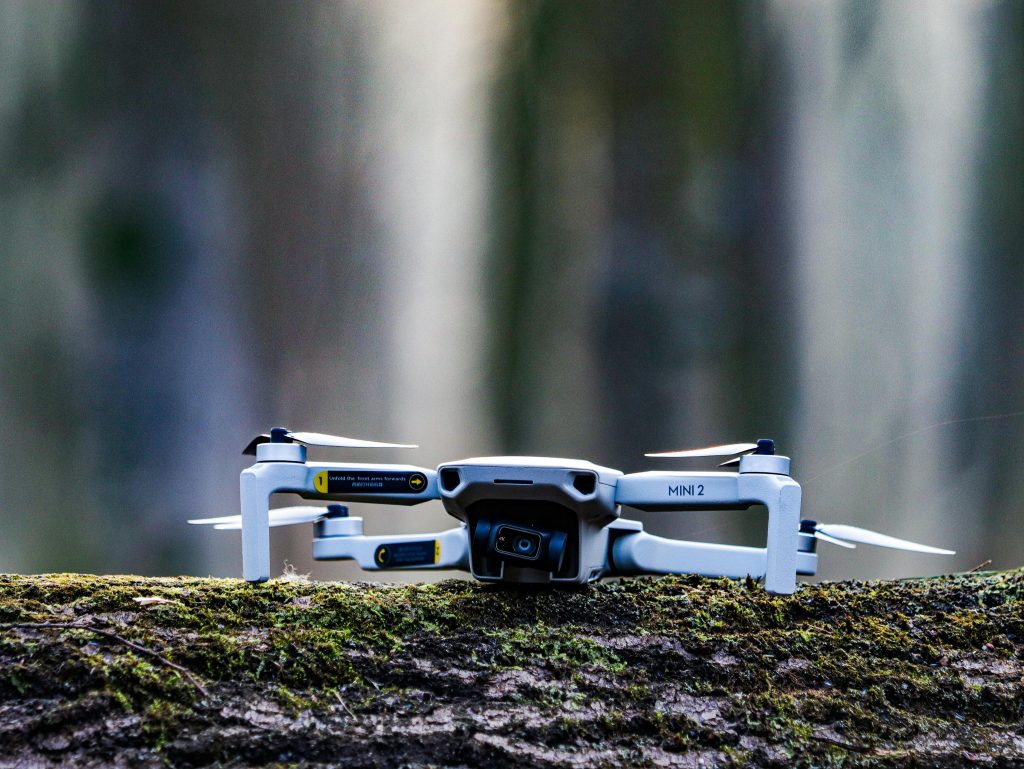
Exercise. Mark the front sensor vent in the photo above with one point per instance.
(585, 483)
(450, 479)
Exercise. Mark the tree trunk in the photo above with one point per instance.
(129, 671)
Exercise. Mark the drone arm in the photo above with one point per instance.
(441, 550)
(336, 482)
(782, 552)
(643, 553)
(779, 493)
(255, 494)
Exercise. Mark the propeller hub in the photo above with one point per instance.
(280, 435)
(338, 527)
(808, 541)
(771, 464)
(280, 452)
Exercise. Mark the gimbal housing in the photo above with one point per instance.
(532, 519)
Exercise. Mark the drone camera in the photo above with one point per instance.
(526, 545)
(520, 543)
(513, 543)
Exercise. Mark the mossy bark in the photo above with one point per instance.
(645, 672)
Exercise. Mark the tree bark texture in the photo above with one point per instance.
(674, 671)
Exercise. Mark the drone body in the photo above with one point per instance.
(534, 519)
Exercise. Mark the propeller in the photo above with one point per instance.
(283, 435)
(831, 540)
(282, 516)
(763, 446)
(844, 536)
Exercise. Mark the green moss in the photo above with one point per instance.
(543, 646)
(678, 663)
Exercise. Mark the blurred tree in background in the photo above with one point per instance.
(555, 228)
(637, 302)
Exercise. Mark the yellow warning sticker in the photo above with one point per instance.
(369, 482)
(320, 481)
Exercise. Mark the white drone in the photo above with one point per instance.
(535, 519)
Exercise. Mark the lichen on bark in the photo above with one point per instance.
(672, 671)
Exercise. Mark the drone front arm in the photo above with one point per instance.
(441, 550)
(338, 482)
(643, 553)
(719, 490)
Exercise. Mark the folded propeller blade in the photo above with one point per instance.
(867, 537)
(251, 448)
(322, 439)
(282, 516)
(833, 540)
(726, 450)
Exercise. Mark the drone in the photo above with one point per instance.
(529, 520)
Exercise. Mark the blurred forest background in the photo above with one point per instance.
(554, 228)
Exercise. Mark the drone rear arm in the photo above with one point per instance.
(343, 539)
(643, 553)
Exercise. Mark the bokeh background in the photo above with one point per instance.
(552, 228)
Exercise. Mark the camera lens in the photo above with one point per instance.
(517, 542)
